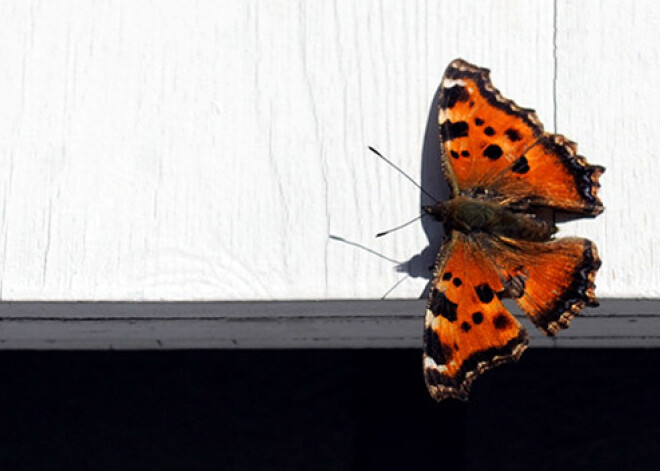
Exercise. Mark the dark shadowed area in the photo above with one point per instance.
(321, 409)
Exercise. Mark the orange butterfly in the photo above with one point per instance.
(501, 166)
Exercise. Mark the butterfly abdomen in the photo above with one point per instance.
(470, 215)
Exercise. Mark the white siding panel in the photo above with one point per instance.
(207, 150)
(608, 99)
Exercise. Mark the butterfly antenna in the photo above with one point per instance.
(396, 285)
(381, 234)
(366, 249)
(404, 174)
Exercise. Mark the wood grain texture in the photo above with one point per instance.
(292, 324)
(207, 151)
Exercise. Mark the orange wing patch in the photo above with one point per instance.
(490, 144)
(552, 174)
(481, 131)
(551, 281)
(467, 329)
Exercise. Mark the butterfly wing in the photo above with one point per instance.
(550, 281)
(550, 173)
(490, 144)
(467, 328)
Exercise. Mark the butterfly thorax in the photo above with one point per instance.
(472, 215)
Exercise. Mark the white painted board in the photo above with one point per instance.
(208, 150)
(608, 63)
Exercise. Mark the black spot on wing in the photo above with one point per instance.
(457, 282)
(521, 165)
(465, 153)
(441, 306)
(485, 293)
(465, 327)
(446, 276)
(478, 121)
(493, 152)
(512, 134)
(454, 154)
(434, 348)
(450, 130)
(488, 131)
(451, 96)
(501, 321)
(477, 317)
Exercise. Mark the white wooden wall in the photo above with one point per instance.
(207, 150)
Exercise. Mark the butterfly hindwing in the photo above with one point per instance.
(490, 144)
(467, 328)
(551, 281)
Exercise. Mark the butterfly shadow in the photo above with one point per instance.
(433, 181)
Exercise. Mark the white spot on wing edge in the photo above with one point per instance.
(448, 83)
(429, 363)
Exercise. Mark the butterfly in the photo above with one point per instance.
(502, 167)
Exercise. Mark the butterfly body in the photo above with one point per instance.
(502, 166)
(472, 215)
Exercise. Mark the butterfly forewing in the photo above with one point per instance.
(479, 128)
(490, 143)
